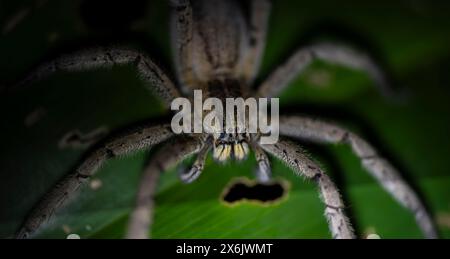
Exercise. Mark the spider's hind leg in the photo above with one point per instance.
(158, 81)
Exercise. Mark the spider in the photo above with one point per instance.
(218, 45)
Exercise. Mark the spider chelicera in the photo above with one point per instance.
(218, 48)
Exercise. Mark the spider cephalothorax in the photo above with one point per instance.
(217, 49)
(232, 142)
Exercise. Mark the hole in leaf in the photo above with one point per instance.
(248, 190)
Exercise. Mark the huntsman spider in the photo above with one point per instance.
(217, 48)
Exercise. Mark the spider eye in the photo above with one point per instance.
(222, 135)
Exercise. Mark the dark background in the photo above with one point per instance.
(410, 38)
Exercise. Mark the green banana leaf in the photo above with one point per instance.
(412, 130)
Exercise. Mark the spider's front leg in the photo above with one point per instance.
(168, 156)
(192, 174)
(104, 57)
(329, 52)
(263, 172)
(294, 157)
(133, 140)
(324, 132)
